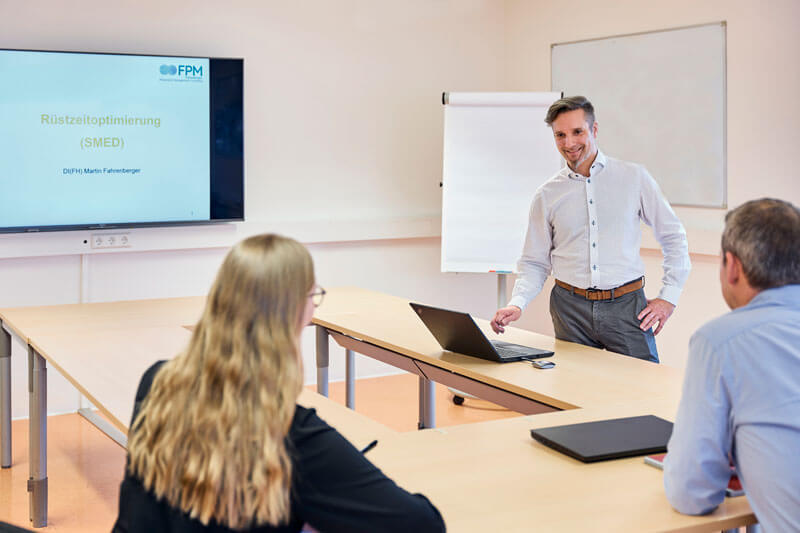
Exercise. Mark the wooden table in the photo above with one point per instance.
(386, 328)
(482, 476)
(125, 338)
(493, 476)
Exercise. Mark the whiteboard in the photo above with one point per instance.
(659, 98)
(497, 151)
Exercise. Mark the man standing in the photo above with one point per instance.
(585, 226)
(741, 392)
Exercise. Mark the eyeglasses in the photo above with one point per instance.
(317, 296)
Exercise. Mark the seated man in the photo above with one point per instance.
(741, 394)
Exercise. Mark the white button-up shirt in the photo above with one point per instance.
(587, 231)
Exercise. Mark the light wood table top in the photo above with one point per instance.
(582, 376)
(105, 365)
(493, 476)
(27, 322)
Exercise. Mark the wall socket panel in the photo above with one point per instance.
(111, 240)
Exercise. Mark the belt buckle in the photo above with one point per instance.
(593, 294)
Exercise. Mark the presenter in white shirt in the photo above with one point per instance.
(584, 227)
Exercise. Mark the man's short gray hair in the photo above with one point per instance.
(765, 235)
(570, 103)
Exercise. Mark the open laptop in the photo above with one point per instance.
(608, 439)
(458, 332)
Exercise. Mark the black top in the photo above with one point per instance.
(334, 488)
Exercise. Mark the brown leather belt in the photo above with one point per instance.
(597, 294)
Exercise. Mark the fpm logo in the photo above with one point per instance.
(184, 71)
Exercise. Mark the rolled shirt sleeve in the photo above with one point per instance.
(669, 232)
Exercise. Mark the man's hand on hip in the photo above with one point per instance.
(657, 310)
(504, 317)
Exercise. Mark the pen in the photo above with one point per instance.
(369, 446)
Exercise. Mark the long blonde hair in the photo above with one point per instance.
(209, 438)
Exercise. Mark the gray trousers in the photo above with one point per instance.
(609, 324)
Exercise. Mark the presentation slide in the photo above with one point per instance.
(92, 139)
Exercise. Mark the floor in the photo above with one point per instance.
(85, 467)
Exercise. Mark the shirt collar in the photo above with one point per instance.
(788, 295)
(599, 164)
(600, 159)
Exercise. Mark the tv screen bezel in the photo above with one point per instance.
(238, 180)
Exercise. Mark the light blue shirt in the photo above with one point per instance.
(587, 231)
(741, 403)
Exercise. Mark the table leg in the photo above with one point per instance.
(104, 425)
(5, 397)
(427, 403)
(350, 378)
(322, 361)
(37, 438)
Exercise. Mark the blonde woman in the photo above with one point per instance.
(217, 441)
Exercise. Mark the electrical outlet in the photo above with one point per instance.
(111, 240)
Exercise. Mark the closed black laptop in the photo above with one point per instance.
(608, 439)
(458, 332)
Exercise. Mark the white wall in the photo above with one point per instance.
(343, 135)
(342, 99)
(763, 54)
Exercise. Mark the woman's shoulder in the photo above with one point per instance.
(147, 379)
(144, 387)
(309, 434)
(306, 423)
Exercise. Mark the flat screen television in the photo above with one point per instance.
(100, 141)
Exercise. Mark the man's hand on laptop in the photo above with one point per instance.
(504, 317)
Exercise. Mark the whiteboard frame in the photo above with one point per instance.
(724, 26)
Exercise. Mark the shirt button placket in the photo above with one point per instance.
(593, 229)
